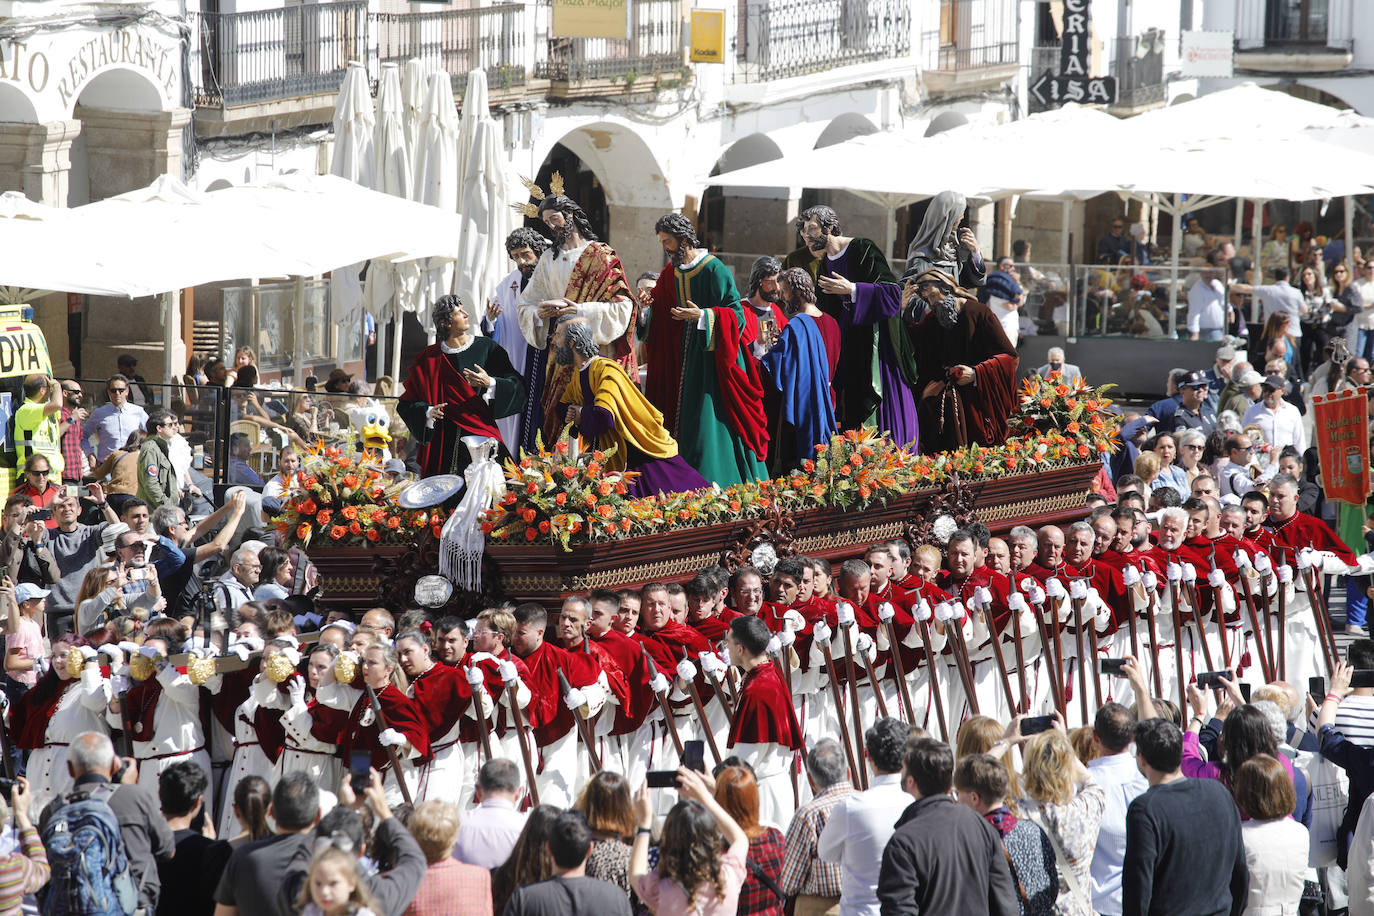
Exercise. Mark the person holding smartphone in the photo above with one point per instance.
(24, 553)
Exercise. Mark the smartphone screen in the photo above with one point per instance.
(1116, 666)
(661, 779)
(1244, 691)
(694, 755)
(1316, 686)
(358, 765)
(1362, 677)
(1034, 725)
(1211, 680)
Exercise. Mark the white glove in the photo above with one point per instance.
(922, 610)
(475, 678)
(983, 596)
(87, 652)
(112, 654)
(1175, 572)
(149, 652)
(820, 633)
(865, 647)
(119, 683)
(844, 614)
(1055, 589)
(774, 647)
(944, 611)
(128, 648)
(712, 665)
(287, 637)
(793, 620)
(886, 611)
(1131, 576)
(1018, 604)
(1189, 572)
(90, 678)
(575, 699)
(1078, 589)
(1242, 560)
(786, 638)
(291, 655)
(295, 691)
(241, 650)
(1305, 558)
(1216, 578)
(686, 670)
(1285, 574)
(1150, 579)
(1036, 595)
(389, 737)
(659, 683)
(1263, 565)
(508, 673)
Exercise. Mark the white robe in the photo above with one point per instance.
(506, 332)
(608, 320)
(81, 709)
(249, 758)
(177, 732)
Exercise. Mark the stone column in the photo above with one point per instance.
(37, 159)
(129, 149)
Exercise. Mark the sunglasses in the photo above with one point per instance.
(118, 390)
(39, 473)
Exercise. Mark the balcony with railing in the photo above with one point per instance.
(784, 38)
(972, 45)
(268, 55)
(651, 55)
(1295, 36)
(458, 41)
(1138, 66)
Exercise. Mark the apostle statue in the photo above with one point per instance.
(609, 411)
(966, 367)
(577, 275)
(763, 299)
(702, 376)
(502, 323)
(940, 242)
(457, 387)
(856, 287)
(796, 373)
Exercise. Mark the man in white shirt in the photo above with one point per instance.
(1234, 477)
(1364, 320)
(1278, 296)
(862, 823)
(1206, 307)
(487, 833)
(1115, 771)
(1279, 420)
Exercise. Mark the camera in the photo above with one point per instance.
(7, 787)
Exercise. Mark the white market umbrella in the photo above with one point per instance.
(392, 172)
(436, 177)
(354, 126)
(414, 85)
(474, 111)
(481, 243)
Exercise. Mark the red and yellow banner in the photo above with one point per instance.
(1342, 426)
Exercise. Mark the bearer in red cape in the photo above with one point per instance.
(765, 732)
(443, 698)
(406, 731)
(619, 752)
(459, 386)
(563, 760)
(669, 644)
(59, 707)
(163, 715)
(966, 368)
(506, 679)
(707, 612)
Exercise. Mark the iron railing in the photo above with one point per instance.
(654, 47)
(276, 54)
(458, 41)
(785, 38)
(1138, 66)
(971, 35)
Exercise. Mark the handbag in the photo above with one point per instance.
(1062, 862)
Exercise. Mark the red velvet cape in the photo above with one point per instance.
(972, 413)
(1304, 530)
(555, 719)
(31, 713)
(442, 695)
(765, 714)
(628, 656)
(401, 715)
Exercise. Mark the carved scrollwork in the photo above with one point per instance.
(778, 529)
(956, 500)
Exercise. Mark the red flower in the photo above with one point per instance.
(625, 524)
(308, 507)
(605, 511)
(324, 516)
(393, 523)
(605, 488)
(530, 487)
(569, 472)
(528, 515)
(355, 528)
(612, 527)
(560, 447)
(531, 534)
(544, 527)
(350, 480)
(560, 499)
(620, 487)
(1082, 451)
(349, 512)
(373, 535)
(337, 532)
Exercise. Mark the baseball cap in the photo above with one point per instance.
(1248, 378)
(394, 466)
(1273, 381)
(1195, 380)
(27, 591)
(1226, 354)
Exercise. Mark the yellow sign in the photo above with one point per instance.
(591, 19)
(708, 36)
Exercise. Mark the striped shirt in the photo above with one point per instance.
(802, 870)
(1355, 720)
(22, 872)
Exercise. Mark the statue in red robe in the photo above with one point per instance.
(966, 368)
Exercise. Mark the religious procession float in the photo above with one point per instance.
(558, 521)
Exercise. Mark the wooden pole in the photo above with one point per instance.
(390, 751)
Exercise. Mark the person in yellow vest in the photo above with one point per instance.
(35, 423)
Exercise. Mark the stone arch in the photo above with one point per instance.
(219, 184)
(15, 106)
(619, 166)
(844, 127)
(746, 220)
(120, 89)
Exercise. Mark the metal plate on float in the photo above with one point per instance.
(430, 491)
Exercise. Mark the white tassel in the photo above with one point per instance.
(461, 542)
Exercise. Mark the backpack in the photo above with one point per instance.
(90, 869)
